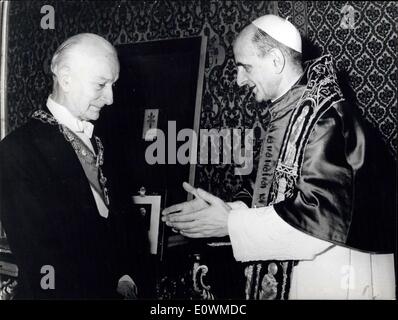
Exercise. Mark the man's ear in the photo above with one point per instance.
(64, 78)
(278, 60)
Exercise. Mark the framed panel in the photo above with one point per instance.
(149, 207)
(4, 10)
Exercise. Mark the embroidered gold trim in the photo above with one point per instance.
(80, 148)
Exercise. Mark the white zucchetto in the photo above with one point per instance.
(281, 30)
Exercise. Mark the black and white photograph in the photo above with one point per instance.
(199, 150)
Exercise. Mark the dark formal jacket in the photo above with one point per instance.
(51, 219)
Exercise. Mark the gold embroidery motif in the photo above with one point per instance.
(269, 285)
(80, 148)
(249, 278)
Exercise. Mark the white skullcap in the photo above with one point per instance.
(280, 29)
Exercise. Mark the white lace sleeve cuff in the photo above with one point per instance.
(260, 234)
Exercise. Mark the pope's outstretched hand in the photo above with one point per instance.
(205, 216)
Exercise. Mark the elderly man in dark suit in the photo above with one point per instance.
(68, 240)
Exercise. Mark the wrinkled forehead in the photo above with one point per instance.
(244, 49)
(243, 41)
(109, 61)
(104, 67)
(97, 61)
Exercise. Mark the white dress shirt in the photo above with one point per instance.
(83, 129)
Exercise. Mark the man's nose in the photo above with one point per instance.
(240, 78)
(108, 95)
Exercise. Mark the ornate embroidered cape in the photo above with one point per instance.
(271, 279)
(321, 93)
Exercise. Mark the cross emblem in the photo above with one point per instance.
(151, 119)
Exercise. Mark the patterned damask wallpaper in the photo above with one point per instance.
(367, 55)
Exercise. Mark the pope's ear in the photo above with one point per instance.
(64, 78)
(278, 60)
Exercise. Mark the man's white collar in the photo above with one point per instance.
(65, 117)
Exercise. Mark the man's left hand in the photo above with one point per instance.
(127, 288)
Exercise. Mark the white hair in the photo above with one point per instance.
(69, 47)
